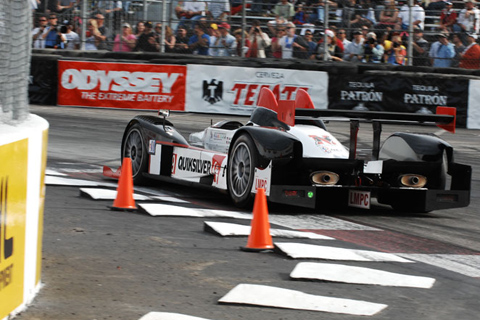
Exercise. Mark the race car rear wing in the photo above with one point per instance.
(442, 119)
(445, 119)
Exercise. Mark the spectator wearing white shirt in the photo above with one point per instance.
(218, 10)
(259, 41)
(37, 33)
(418, 16)
(354, 50)
(286, 42)
(225, 44)
(342, 36)
(468, 18)
(193, 11)
(73, 39)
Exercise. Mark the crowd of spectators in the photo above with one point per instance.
(362, 31)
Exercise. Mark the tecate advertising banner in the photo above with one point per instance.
(234, 90)
(121, 85)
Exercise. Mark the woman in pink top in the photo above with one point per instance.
(126, 41)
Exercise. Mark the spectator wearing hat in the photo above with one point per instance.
(225, 43)
(396, 52)
(125, 41)
(418, 16)
(420, 49)
(442, 52)
(199, 43)
(448, 18)
(372, 51)
(432, 9)
(73, 39)
(147, 42)
(212, 31)
(333, 52)
(354, 50)
(470, 58)
(259, 41)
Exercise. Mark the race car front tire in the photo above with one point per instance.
(135, 148)
(241, 170)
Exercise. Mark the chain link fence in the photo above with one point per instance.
(15, 49)
(169, 19)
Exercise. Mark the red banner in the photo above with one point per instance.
(121, 85)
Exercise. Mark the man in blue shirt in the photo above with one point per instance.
(200, 41)
(53, 38)
(442, 52)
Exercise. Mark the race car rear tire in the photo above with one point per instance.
(241, 170)
(135, 148)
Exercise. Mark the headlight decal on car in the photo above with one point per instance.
(324, 178)
(413, 180)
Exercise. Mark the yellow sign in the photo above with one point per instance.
(13, 198)
(42, 206)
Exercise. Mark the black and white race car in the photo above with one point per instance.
(286, 149)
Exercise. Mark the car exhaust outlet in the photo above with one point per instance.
(413, 180)
(324, 178)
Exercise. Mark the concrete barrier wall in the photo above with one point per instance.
(23, 158)
(391, 88)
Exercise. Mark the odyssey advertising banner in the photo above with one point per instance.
(121, 85)
(399, 94)
(234, 90)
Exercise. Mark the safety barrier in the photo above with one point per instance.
(230, 84)
(22, 196)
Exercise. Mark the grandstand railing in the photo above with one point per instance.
(241, 16)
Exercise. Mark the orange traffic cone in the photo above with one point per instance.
(260, 238)
(124, 200)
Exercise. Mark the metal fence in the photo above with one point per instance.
(240, 15)
(15, 52)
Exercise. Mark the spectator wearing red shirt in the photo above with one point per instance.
(470, 58)
(448, 18)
